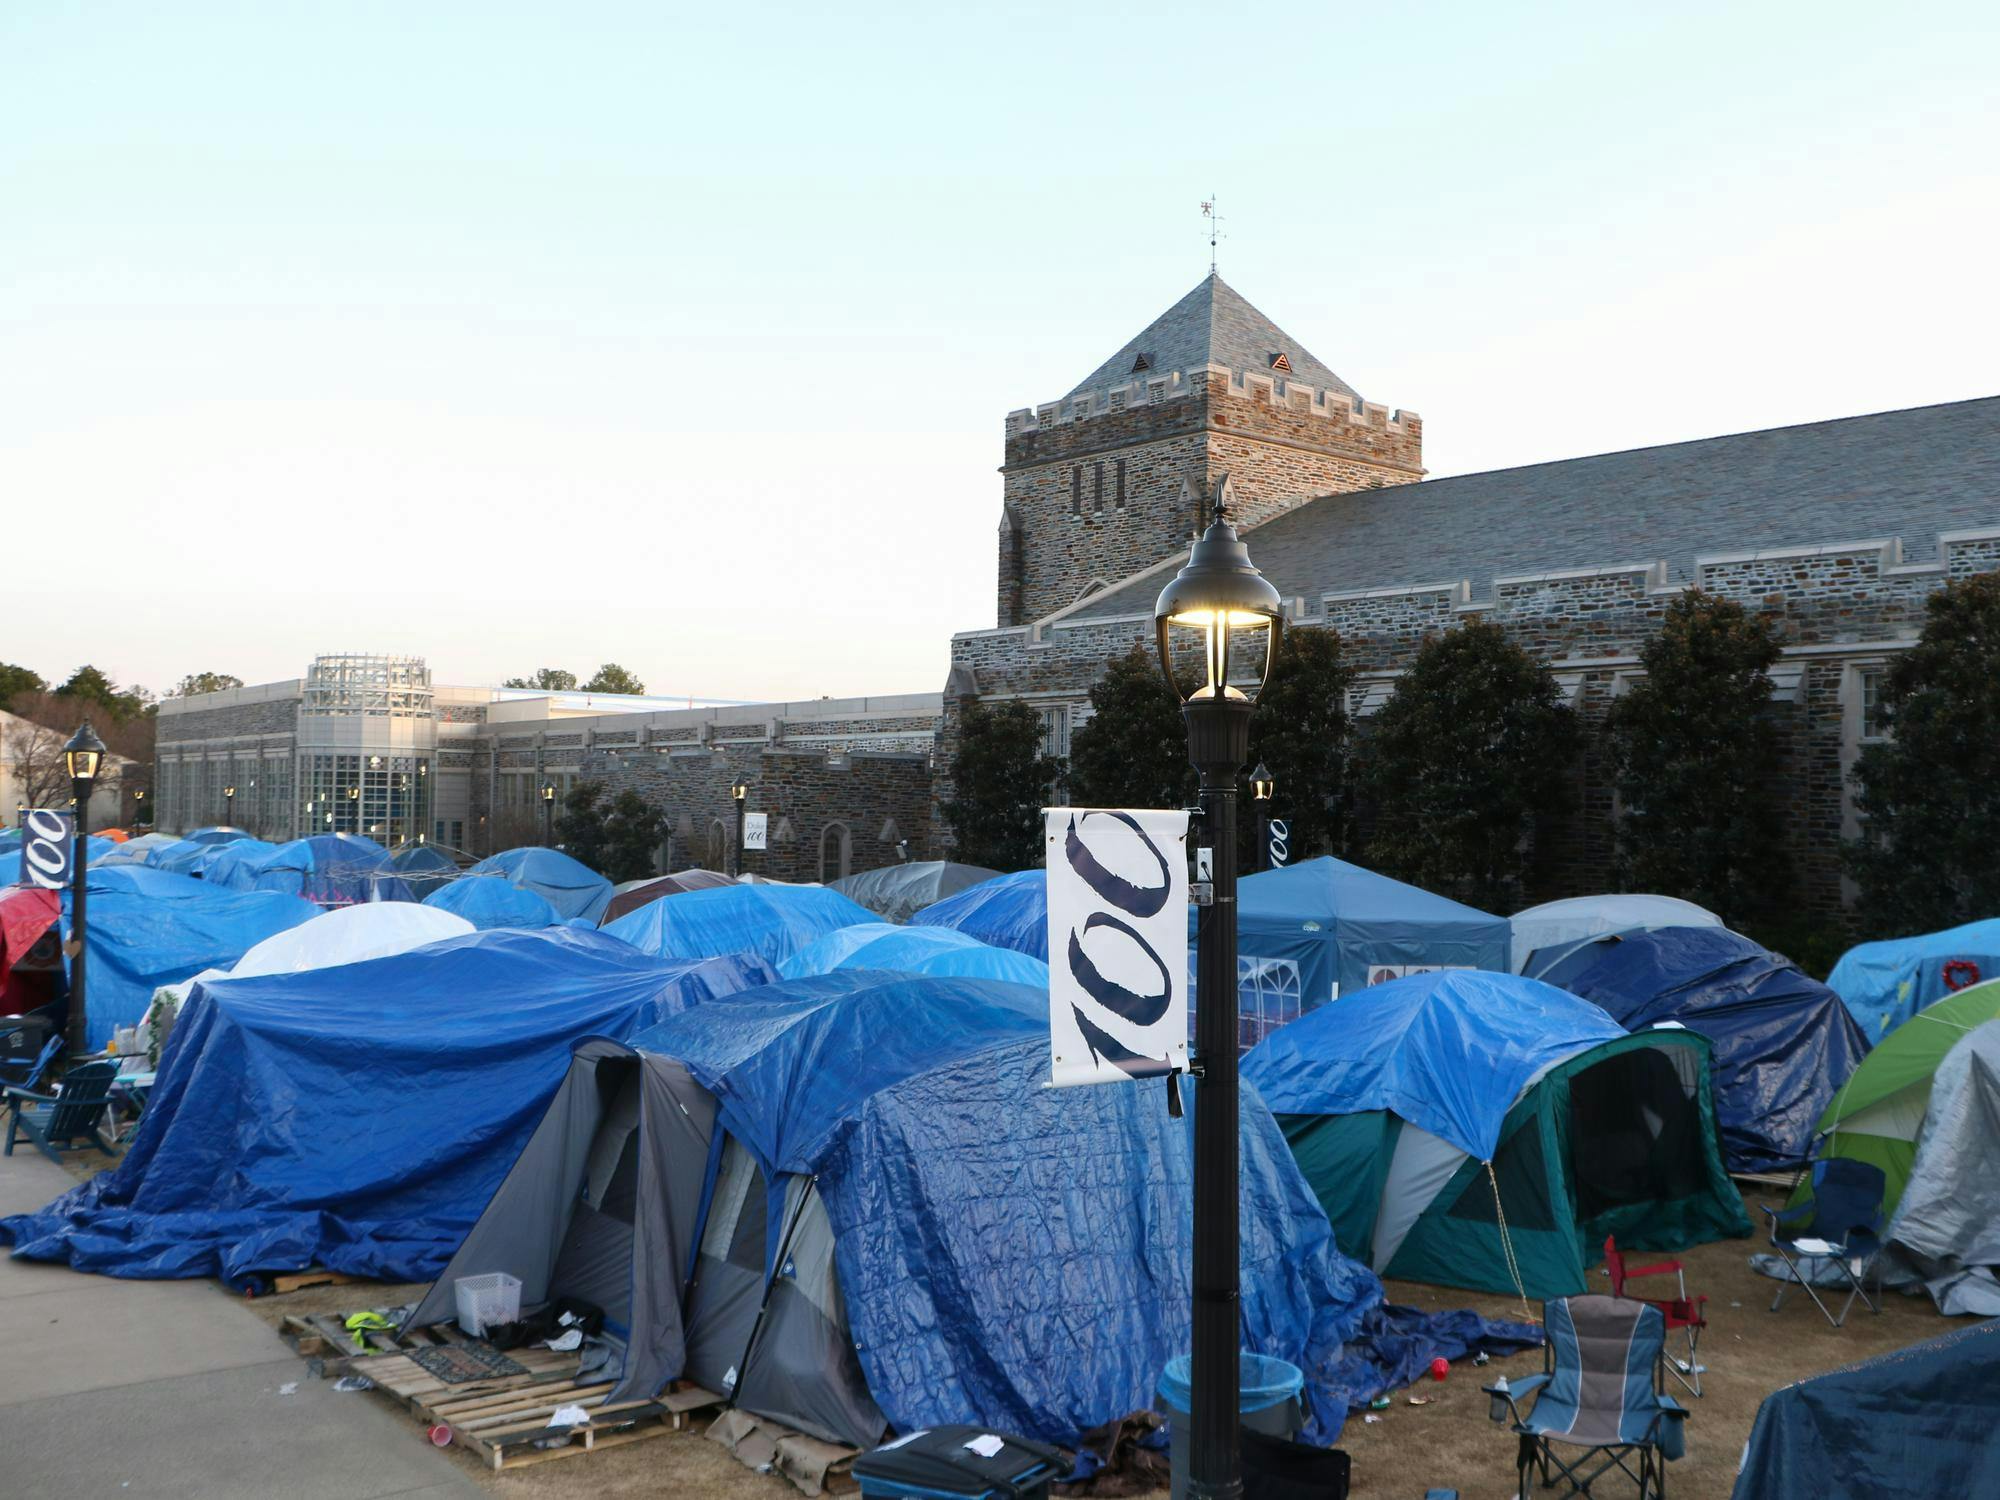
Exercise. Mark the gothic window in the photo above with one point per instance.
(836, 852)
(1120, 500)
(1076, 490)
(1097, 486)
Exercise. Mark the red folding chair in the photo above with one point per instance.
(1680, 1312)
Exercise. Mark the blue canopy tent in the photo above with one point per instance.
(1783, 1042)
(424, 868)
(938, 951)
(896, 1224)
(572, 888)
(147, 928)
(1314, 931)
(1915, 1421)
(1884, 983)
(359, 1117)
(489, 901)
(771, 921)
(1009, 911)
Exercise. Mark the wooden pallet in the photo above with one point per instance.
(503, 1429)
(325, 1336)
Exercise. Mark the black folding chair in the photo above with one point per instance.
(1839, 1226)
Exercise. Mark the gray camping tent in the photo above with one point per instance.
(898, 892)
(1947, 1225)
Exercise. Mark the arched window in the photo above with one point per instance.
(718, 846)
(836, 852)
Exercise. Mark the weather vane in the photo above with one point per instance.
(1211, 210)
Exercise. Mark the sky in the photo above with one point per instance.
(518, 335)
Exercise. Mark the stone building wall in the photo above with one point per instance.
(230, 721)
(1066, 527)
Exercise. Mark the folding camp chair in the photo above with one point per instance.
(1600, 1391)
(1682, 1312)
(68, 1119)
(1838, 1226)
(25, 1073)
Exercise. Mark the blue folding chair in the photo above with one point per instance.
(67, 1120)
(25, 1073)
(1840, 1225)
(1601, 1391)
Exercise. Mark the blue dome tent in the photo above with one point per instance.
(424, 868)
(771, 921)
(937, 951)
(1783, 1041)
(488, 901)
(366, 1111)
(331, 869)
(1009, 911)
(573, 889)
(219, 833)
(1003, 1288)
(1884, 983)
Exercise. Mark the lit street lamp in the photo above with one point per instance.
(82, 757)
(1217, 601)
(1263, 786)
(548, 814)
(139, 806)
(739, 791)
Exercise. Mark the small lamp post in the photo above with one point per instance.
(353, 810)
(83, 756)
(20, 815)
(229, 806)
(549, 814)
(739, 792)
(139, 806)
(1263, 786)
(1214, 602)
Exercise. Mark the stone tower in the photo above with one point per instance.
(1107, 481)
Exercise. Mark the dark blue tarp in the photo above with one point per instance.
(488, 901)
(231, 863)
(1344, 927)
(1885, 983)
(1010, 911)
(571, 887)
(423, 868)
(357, 1118)
(218, 833)
(331, 869)
(1782, 1041)
(771, 921)
(1009, 1254)
(1448, 1052)
(144, 928)
(942, 951)
(1395, 1346)
(1913, 1422)
(176, 858)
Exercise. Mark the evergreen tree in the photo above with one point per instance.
(1929, 851)
(546, 679)
(1470, 750)
(580, 825)
(612, 678)
(204, 682)
(15, 679)
(1132, 752)
(634, 830)
(1695, 754)
(1300, 733)
(1000, 781)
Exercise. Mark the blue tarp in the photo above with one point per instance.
(1885, 983)
(145, 928)
(1009, 1254)
(939, 951)
(571, 887)
(218, 833)
(423, 868)
(488, 901)
(1395, 1346)
(1782, 1041)
(1916, 1421)
(356, 1118)
(1344, 928)
(1011, 911)
(232, 864)
(1448, 1052)
(771, 921)
(332, 869)
(176, 858)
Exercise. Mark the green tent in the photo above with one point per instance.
(1618, 1139)
(1880, 1110)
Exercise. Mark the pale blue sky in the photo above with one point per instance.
(530, 334)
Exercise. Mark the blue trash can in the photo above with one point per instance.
(1268, 1401)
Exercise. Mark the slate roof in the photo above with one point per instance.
(1213, 324)
(1908, 474)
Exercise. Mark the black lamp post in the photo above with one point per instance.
(139, 807)
(1218, 601)
(229, 806)
(1263, 786)
(548, 814)
(739, 792)
(83, 756)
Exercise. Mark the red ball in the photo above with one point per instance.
(1439, 1367)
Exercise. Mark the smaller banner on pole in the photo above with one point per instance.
(756, 830)
(48, 852)
(1280, 845)
(1118, 896)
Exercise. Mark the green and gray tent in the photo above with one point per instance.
(1879, 1112)
(1489, 1131)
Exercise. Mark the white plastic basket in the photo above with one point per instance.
(487, 1301)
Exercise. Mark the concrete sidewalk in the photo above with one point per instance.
(134, 1389)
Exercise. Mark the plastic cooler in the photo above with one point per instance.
(487, 1301)
(959, 1463)
(1267, 1402)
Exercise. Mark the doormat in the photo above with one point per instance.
(455, 1364)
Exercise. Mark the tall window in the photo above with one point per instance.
(1873, 730)
(1076, 490)
(1097, 486)
(1055, 731)
(1119, 501)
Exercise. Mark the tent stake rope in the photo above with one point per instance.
(1507, 1245)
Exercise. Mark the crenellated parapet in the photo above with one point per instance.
(1164, 387)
